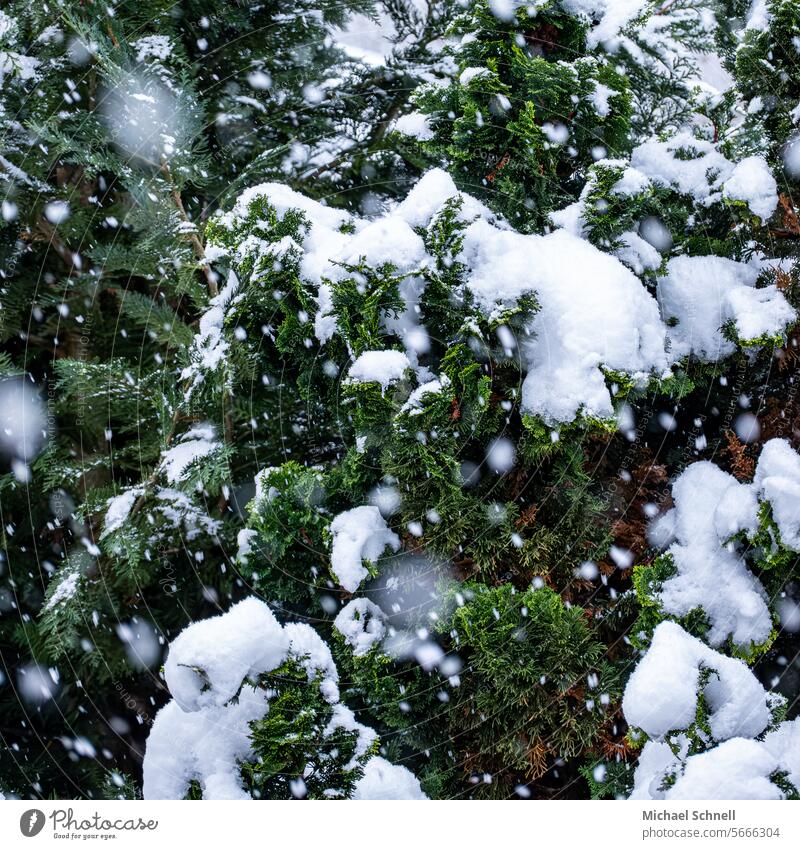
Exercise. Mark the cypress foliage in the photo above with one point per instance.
(419, 353)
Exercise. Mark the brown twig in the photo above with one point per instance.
(197, 245)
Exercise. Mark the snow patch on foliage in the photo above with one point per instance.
(344, 718)
(358, 534)
(594, 315)
(414, 405)
(710, 507)
(736, 769)
(206, 745)
(758, 16)
(362, 624)
(209, 347)
(700, 295)
(637, 254)
(312, 653)
(415, 125)
(606, 17)
(208, 661)
(751, 181)
(118, 509)
(695, 167)
(777, 480)
(152, 47)
(65, 590)
(195, 444)
(383, 367)
(203, 734)
(784, 745)
(383, 780)
(739, 768)
(470, 74)
(244, 543)
(662, 693)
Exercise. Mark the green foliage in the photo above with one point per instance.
(179, 350)
(524, 88)
(288, 555)
(609, 780)
(538, 681)
(300, 747)
(535, 687)
(766, 72)
(647, 582)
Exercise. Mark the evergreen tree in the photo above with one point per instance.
(122, 128)
(414, 353)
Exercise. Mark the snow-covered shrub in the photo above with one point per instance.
(765, 65)
(418, 282)
(712, 730)
(388, 302)
(256, 713)
(543, 90)
(421, 386)
(719, 530)
(684, 190)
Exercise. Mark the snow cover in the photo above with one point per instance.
(344, 718)
(784, 745)
(152, 47)
(66, 589)
(415, 124)
(777, 480)
(662, 693)
(7, 25)
(413, 406)
(171, 505)
(703, 293)
(594, 314)
(383, 780)
(308, 648)
(205, 745)
(178, 510)
(739, 768)
(384, 367)
(244, 542)
(710, 574)
(203, 733)
(758, 17)
(611, 16)
(638, 254)
(243, 643)
(591, 297)
(11, 63)
(361, 623)
(209, 347)
(711, 507)
(196, 443)
(118, 509)
(736, 769)
(752, 182)
(470, 74)
(358, 534)
(696, 168)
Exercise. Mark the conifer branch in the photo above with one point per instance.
(199, 251)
